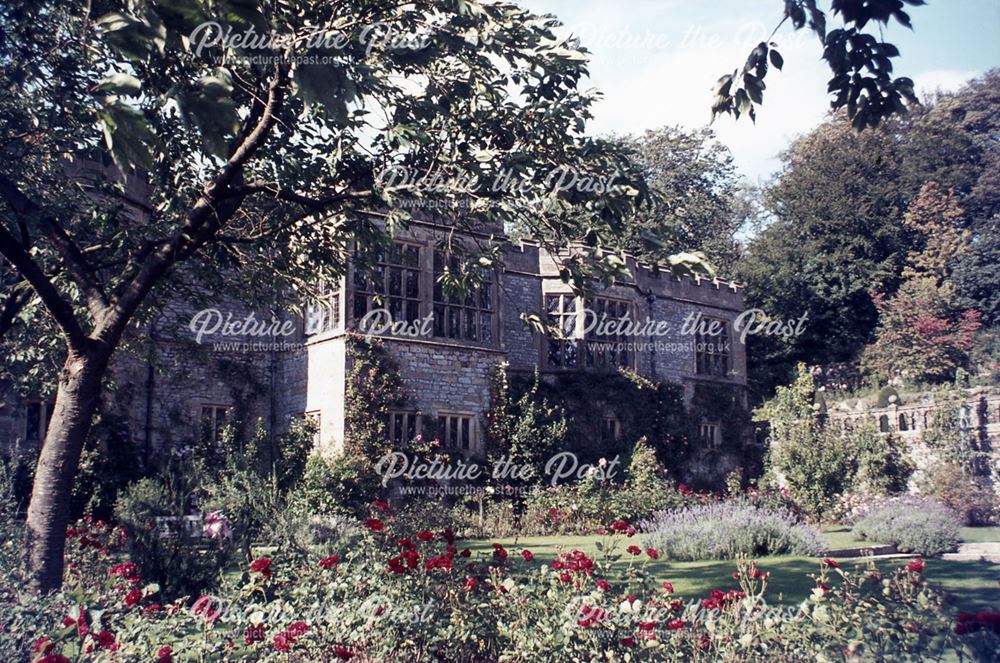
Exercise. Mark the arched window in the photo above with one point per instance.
(883, 423)
(903, 424)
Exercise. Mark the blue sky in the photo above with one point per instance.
(656, 61)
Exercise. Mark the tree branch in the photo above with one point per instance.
(57, 305)
(76, 263)
(204, 218)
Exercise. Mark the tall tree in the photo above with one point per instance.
(255, 138)
(835, 235)
(922, 335)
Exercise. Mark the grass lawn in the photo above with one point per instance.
(972, 585)
(981, 534)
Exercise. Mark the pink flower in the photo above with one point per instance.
(215, 526)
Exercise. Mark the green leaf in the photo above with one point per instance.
(121, 84)
(127, 136)
(327, 85)
(777, 60)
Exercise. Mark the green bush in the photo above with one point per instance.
(153, 512)
(911, 524)
(975, 503)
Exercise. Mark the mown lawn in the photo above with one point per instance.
(971, 585)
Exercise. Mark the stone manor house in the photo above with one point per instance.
(194, 378)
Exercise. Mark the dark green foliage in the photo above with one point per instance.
(644, 408)
(526, 429)
(180, 563)
(859, 59)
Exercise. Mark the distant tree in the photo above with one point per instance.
(922, 336)
(919, 339)
(836, 234)
(697, 197)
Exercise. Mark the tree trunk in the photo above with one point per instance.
(48, 513)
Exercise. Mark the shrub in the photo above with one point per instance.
(911, 524)
(402, 596)
(975, 503)
(154, 512)
(728, 529)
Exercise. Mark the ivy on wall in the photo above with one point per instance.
(643, 408)
(373, 386)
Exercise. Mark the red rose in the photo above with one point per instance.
(133, 597)
(298, 629)
(668, 588)
(203, 606)
(565, 577)
(105, 640)
(527, 555)
(629, 641)
(381, 506)
(124, 570)
(261, 565)
(43, 646)
(916, 566)
(833, 564)
(165, 654)
(343, 653)
(283, 641)
(54, 658)
(633, 550)
(448, 536)
(602, 584)
(619, 526)
(675, 624)
(329, 562)
(630, 532)
(465, 553)
(374, 524)
(425, 535)
(470, 583)
(653, 554)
